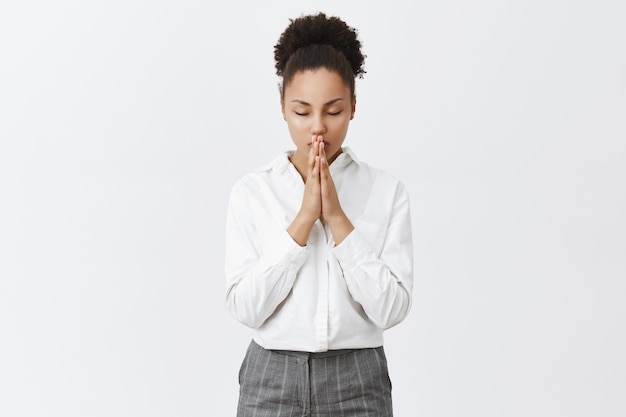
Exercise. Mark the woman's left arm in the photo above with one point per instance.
(380, 278)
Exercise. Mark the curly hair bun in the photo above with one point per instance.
(319, 30)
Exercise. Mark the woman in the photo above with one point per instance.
(319, 257)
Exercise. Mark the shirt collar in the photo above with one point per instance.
(345, 158)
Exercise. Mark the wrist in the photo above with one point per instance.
(300, 229)
(340, 227)
(304, 220)
(337, 219)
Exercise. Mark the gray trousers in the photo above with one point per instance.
(339, 383)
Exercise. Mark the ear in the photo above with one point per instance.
(353, 110)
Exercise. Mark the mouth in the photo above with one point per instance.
(326, 144)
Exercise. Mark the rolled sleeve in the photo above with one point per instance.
(381, 282)
(258, 280)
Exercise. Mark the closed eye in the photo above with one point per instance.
(336, 113)
(300, 114)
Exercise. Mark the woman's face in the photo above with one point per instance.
(317, 103)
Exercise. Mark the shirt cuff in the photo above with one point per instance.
(352, 249)
(286, 251)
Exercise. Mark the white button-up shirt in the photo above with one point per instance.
(319, 297)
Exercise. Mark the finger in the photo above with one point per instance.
(315, 172)
(324, 176)
(312, 154)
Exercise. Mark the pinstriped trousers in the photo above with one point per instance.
(337, 383)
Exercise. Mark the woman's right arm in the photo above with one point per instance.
(259, 277)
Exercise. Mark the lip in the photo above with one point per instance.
(324, 142)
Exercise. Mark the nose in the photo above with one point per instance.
(318, 127)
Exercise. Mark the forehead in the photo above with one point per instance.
(316, 86)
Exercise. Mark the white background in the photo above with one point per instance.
(123, 125)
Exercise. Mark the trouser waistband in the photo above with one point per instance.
(313, 355)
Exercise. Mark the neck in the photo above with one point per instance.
(300, 164)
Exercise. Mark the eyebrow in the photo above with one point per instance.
(329, 103)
